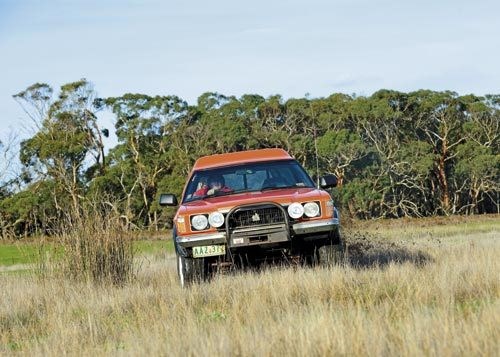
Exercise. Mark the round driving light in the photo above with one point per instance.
(216, 219)
(311, 209)
(199, 222)
(295, 210)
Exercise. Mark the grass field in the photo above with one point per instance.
(27, 253)
(410, 287)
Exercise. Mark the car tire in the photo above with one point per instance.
(333, 253)
(190, 270)
(329, 255)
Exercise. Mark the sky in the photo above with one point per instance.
(266, 47)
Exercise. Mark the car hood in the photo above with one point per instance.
(227, 202)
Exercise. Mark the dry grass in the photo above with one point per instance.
(435, 295)
(92, 254)
(95, 249)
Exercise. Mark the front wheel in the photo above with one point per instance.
(190, 270)
(332, 254)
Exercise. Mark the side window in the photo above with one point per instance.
(197, 182)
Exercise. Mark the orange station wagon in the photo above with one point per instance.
(244, 208)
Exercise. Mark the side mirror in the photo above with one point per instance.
(328, 181)
(167, 199)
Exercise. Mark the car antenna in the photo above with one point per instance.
(315, 136)
(316, 155)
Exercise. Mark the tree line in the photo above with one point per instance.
(395, 154)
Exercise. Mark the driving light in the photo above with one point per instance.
(199, 222)
(295, 210)
(311, 209)
(216, 219)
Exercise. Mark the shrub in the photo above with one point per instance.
(99, 249)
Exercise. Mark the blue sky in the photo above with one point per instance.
(233, 47)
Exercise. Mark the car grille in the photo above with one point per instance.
(256, 216)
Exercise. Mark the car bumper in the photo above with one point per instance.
(202, 239)
(323, 225)
(302, 228)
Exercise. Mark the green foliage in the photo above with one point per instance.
(485, 163)
(360, 197)
(341, 147)
(395, 154)
(415, 158)
(31, 210)
(68, 136)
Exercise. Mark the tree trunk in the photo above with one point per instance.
(442, 178)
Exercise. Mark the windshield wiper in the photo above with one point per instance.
(224, 193)
(221, 193)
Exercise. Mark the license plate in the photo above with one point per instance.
(208, 251)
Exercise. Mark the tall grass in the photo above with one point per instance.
(96, 247)
(102, 256)
(446, 305)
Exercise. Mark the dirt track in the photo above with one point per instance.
(365, 250)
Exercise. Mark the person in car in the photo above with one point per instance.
(215, 184)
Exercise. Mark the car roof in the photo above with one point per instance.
(240, 157)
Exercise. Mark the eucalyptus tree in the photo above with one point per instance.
(333, 113)
(35, 101)
(67, 140)
(340, 149)
(439, 117)
(477, 166)
(31, 210)
(399, 168)
(8, 173)
(223, 127)
(144, 126)
(289, 125)
(395, 154)
(266, 129)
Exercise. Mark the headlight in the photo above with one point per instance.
(311, 209)
(295, 210)
(199, 222)
(216, 219)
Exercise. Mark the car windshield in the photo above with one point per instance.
(245, 178)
